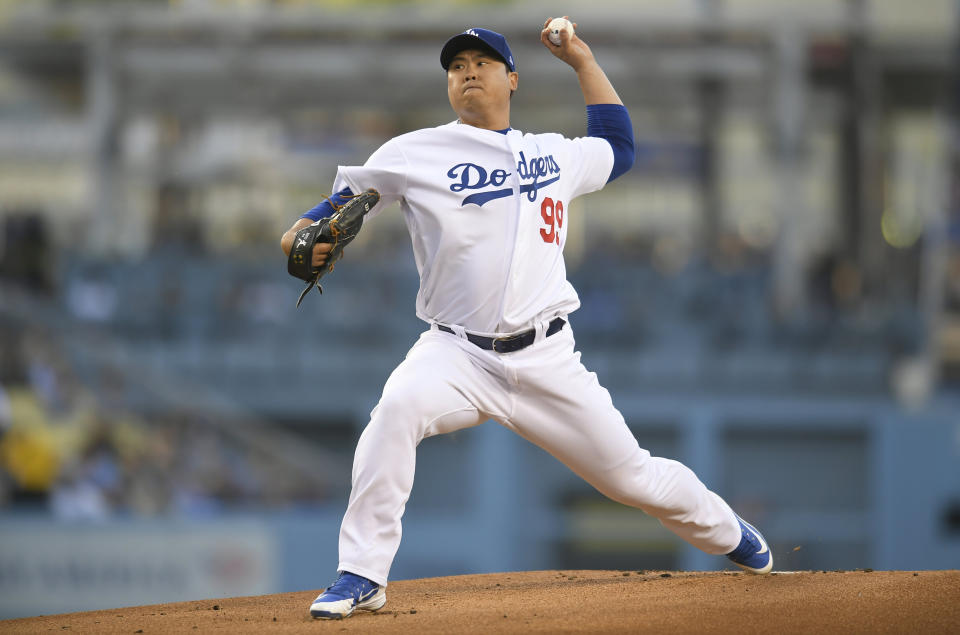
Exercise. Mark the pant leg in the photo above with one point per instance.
(437, 389)
(562, 408)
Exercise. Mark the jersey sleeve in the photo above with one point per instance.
(591, 159)
(612, 123)
(385, 171)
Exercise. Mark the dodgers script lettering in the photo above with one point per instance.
(470, 176)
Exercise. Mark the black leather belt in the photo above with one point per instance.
(512, 343)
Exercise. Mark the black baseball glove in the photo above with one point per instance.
(339, 230)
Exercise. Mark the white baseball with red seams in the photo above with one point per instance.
(556, 25)
(488, 215)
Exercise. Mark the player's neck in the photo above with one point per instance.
(501, 122)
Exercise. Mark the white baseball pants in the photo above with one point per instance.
(544, 394)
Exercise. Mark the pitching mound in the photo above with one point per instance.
(567, 601)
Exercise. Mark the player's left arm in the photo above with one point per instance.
(326, 208)
(607, 117)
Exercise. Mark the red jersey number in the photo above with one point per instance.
(552, 213)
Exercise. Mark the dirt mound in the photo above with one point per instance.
(573, 601)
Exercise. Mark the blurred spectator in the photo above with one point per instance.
(25, 255)
(92, 298)
(28, 452)
(6, 420)
(952, 302)
(91, 486)
(6, 414)
(79, 499)
(836, 284)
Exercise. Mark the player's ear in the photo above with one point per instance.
(514, 79)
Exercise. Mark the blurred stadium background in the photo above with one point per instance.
(772, 295)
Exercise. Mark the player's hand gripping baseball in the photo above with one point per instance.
(571, 50)
(596, 88)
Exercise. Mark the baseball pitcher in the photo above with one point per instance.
(486, 207)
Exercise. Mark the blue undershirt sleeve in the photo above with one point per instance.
(612, 122)
(326, 207)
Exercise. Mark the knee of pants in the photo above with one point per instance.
(624, 488)
(408, 414)
(646, 482)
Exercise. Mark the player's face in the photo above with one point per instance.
(479, 85)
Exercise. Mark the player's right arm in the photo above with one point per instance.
(607, 117)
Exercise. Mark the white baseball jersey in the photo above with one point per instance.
(487, 215)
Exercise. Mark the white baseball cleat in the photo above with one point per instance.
(348, 593)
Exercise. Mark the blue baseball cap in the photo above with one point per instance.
(476, 38)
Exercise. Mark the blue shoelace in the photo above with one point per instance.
(348, 585)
